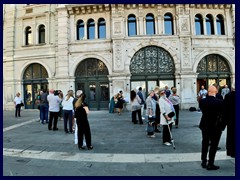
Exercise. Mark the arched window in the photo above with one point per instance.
(150, 24)
(90, 29)
(209, 24)
(101, 28)
(41, 31)
(28, 35)
(132, 25)
(168, 24)
(80, 29)
(220, 25)
(199, 24)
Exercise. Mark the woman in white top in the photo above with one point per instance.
(166, 107)
(67, 104)
(17, 102)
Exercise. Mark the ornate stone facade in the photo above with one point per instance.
(62, 52)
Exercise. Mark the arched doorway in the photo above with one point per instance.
(152, 66)
(213, 69)
(34, 80)
(91, 77)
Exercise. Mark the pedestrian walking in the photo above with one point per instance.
(81, 114)
(212, 124)
(18, 103)
(230, 106)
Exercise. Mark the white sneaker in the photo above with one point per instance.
(143, 118)
(167, 144)
(152, 136)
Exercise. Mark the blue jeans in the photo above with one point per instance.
(67, 115)
(44, 113)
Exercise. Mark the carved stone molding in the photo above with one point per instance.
(118, 62)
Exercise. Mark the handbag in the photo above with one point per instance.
(171, 114)
(22, 104)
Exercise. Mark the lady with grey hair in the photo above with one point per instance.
(166, 107)
(151, 111)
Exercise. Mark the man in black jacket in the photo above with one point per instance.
(212, 124)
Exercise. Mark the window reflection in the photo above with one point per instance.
(199, 24)
(80, 30)
(41, 34)
(101, 29)
(91, 29)
(168, 24)
(104, 91)
(150, 24)
(132, 26)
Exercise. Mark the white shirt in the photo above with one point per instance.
(165, 107)
(68, 104)
(53, 103)
(203, 93)
(18, 100)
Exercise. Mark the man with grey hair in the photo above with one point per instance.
(225, 91)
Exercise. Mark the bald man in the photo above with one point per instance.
(212, 124)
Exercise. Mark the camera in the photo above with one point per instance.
(56, 92)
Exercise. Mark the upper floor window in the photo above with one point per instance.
(101, 28)
(220, 25)
(28, 35)
(41, 31)
(199, 24)
(90, 29)
(132, 25)
(209, 24)
(80, 29)
(168, 24)
(150, 24)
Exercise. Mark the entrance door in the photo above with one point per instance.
(97, 94)
(31, 92)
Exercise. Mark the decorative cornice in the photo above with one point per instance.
(87, 9)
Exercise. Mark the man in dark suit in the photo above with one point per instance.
(212, 124)
(229, 101)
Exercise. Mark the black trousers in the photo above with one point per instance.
(176, 108)
(134, 116)
(53, 115)
(84, 130)
(166, 134)
(212, 138)
(17, 111)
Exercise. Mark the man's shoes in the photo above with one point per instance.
(90, 148)
(212, 167)
(204, 164)
(55, 129)
(156, 130)
(218, 148)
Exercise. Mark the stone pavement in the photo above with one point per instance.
(120, 148)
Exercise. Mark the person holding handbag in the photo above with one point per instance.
(18, 102)
(151, 111)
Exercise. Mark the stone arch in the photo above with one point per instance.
(201, 55)
(80, 59)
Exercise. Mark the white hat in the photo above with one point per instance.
(79, 92)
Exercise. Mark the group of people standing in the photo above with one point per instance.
(117, 103)
(72, 109)
(159, 104)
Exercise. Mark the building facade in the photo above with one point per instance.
(105, 48)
